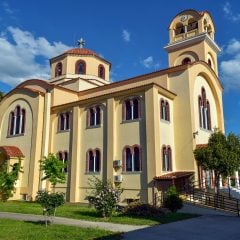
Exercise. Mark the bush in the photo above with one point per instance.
(142, 209)
(172, 201)
(105, 198)
(50, 202)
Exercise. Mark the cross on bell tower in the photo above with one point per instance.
(81, 43)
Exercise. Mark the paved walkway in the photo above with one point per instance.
(207, 227)
(73, 222)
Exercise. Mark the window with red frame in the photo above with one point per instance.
(132, 159)
(64, 121)
(166, 158)
(131, 109)
(93, 161)
(63, 156)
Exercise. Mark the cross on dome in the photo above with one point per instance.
(81, 43)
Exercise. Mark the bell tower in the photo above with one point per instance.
(191, 38)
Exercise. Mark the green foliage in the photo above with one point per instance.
(172, 201)
(50, 202)
(104, 197)
(139, 209)
(1, 96)
(52, 167)
(8, 180)
(222, 154)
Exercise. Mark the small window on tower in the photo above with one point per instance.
(186, 61)
(80, 67)
(101, 71)
(58, 69)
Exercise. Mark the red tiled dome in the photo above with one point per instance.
(81, 51)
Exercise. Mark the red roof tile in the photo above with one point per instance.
(11, 151)
(201, 145)
(81, 51)
(174, 175)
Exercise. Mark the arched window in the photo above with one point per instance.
(164, 110)
(209, 63)
(94, 116)
(17, 121)
(63, 156)
(186, 60)
(179, 29)
(204, 111)
(93, 161)
(166, 158)
(80, 67)
(132, 159)
(192, 24)
(58, 69)
(101, 71)
(131, 109)
(64, 121)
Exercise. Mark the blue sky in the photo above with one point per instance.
(129, 34)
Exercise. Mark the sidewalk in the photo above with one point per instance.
(114, 227)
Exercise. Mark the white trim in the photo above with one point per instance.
(192, 40)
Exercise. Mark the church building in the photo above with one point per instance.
(139, 133)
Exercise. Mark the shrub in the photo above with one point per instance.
(104, 197)
(8, 180)
(142, 209)
(172, 201)
(50, 202)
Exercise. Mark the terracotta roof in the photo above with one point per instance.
(201, 145)
(81, 51)
(11, 151)
(174, 175)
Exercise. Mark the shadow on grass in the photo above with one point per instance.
(38, 222)
(91, 214)
(116, 236)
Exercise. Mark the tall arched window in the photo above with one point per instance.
(64, 121)
(94, 116)
(166, 158)
(58, 69)
(93, 161)
(17, 121)
(164, 110)
(101, 71)
(80, 67)
(132, 159)
(63, 156)
(131, 109)
(204, 111)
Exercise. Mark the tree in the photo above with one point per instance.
(8, 180)
(104, 197)
(221, 155)
(1, 96)
(53, 167)
(49, 202)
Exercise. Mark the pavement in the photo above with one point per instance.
(206, 227)
(73, 222)
(211, 225)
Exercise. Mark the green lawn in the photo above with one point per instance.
(86, 213)
(19, 230)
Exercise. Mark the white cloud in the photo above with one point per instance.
(227, 9)
(7, 8)
(20, 54)
(150, 63)
(230, 68)
(126, 35)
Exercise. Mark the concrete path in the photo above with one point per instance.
(73, 222)
(202, 210)
(207, 227)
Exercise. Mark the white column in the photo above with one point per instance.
(229, 181)
(15, 124)
(220, 181)
(20, 124)
(132, 162)
(236, 179)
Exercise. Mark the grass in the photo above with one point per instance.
(19, 230)
(89, 214)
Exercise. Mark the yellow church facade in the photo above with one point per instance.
(135, 132)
